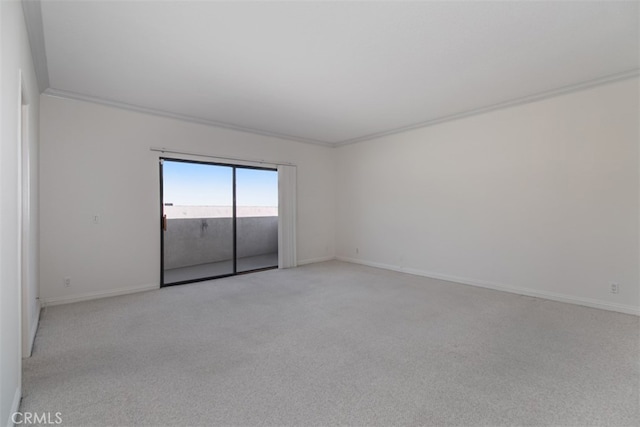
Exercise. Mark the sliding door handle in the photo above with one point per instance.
(164, 222)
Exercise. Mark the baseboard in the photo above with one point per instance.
(15, 406)
(587, 302)
(315, 260)
(34, 329)
(47, 302)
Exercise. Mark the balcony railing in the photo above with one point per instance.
(204, 234)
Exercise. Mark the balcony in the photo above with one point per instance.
(198, 242)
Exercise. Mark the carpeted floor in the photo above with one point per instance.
(333, 343)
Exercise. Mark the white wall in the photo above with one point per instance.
(96, 159)
(15, 56)
(540, 198)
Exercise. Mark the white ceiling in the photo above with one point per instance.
(332, 72)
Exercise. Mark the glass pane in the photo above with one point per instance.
(198, 241)
(257, 218)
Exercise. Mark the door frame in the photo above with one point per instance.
(234, 167)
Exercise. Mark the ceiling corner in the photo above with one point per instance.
(33, 18)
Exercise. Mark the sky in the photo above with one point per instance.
(194, 184)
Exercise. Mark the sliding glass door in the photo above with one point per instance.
(256, 218)
(217, 220)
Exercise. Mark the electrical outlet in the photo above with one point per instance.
(615, 288)
(67, 282)
(96, 219)
(357, 250)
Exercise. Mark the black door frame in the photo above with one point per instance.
(234, 167)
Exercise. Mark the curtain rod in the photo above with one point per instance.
(187, 153)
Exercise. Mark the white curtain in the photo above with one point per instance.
(287, 222)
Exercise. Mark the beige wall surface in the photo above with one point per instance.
(541, 198)
(97, 160)
(16, 65)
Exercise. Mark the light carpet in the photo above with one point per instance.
(333, 343)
